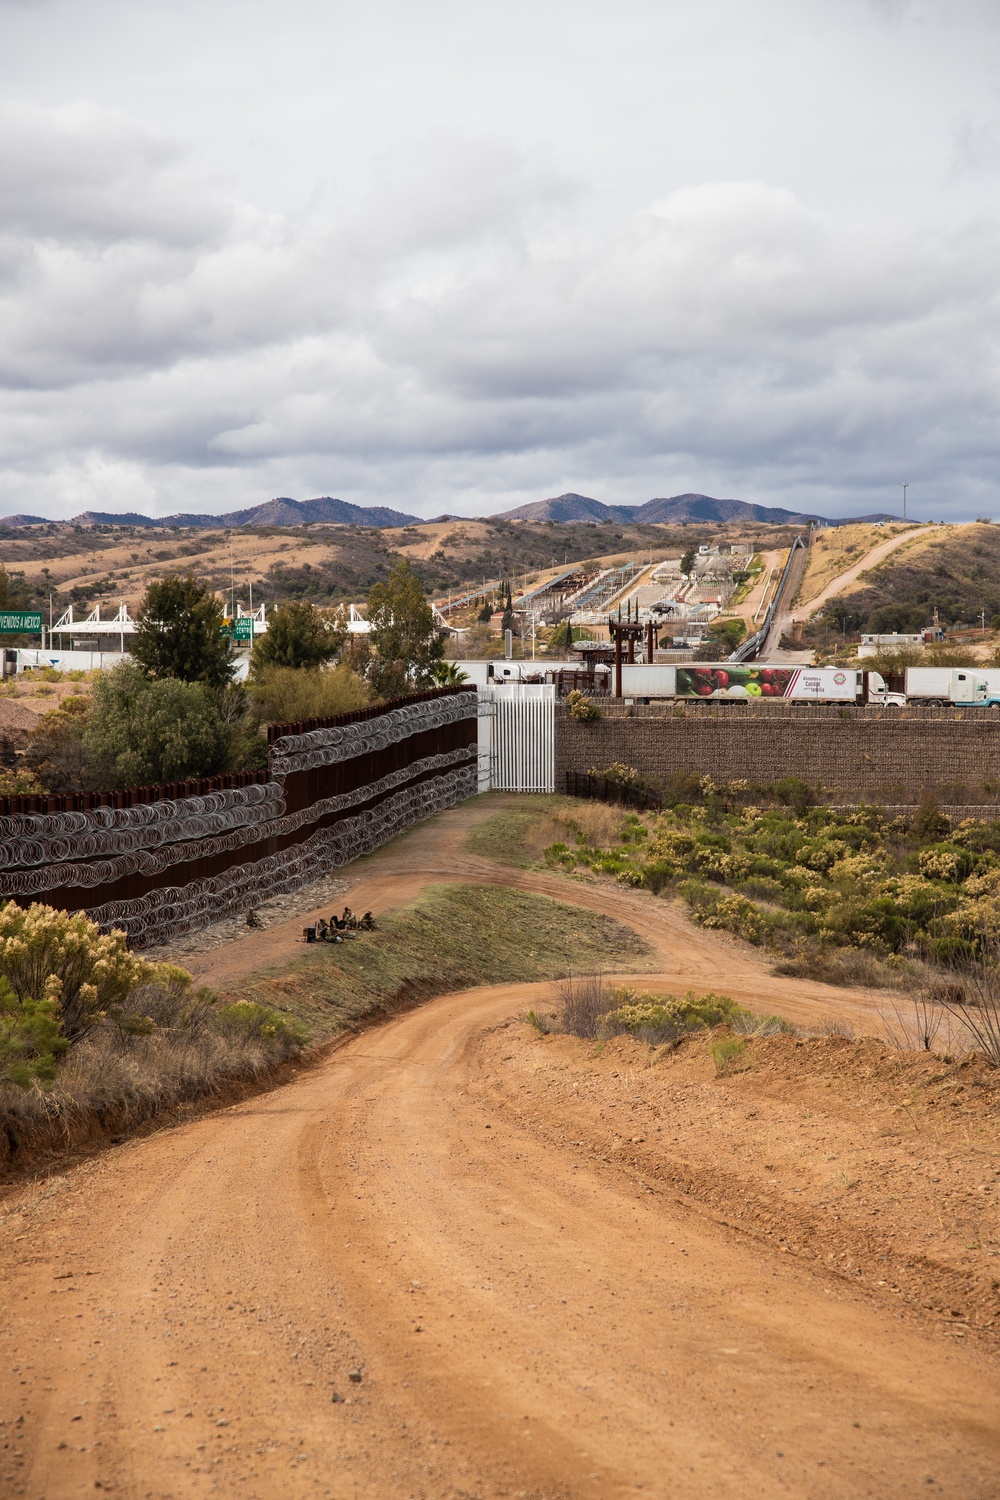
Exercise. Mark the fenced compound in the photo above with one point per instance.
(158, 861)
(609, 789)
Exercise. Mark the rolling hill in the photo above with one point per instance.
(677, 508)
(279, 512)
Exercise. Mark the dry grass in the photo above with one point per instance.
(838, 548)
(520, 835)
(165, 1046)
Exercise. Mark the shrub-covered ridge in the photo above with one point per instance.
(808, 880)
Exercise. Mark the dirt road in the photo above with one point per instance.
(850, 575)
(691, 956)
(525, 1319)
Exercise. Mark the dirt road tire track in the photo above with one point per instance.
(526, 1321)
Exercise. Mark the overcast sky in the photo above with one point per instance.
(456, 255)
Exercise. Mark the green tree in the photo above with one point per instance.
(507, 623)
(728, 633)
(299, 635)
(14, 593)
(180, 633)
(687, 562)
(448, 674)
(55, 754)
(141, 731)
(405, 639)
(562, 639)
(485, 615)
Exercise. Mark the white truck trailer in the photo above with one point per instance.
(745, 680)
(946, 685)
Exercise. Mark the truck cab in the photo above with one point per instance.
(875, 690)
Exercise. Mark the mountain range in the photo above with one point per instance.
(689, 507)
(563, 508)
(279, 512)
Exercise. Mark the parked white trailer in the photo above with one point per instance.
(949, 685)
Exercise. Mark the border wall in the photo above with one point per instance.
(854, 753)
(159, 861)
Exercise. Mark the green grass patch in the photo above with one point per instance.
(503, 836)
(452, 937)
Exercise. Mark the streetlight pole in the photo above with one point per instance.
(905, 488)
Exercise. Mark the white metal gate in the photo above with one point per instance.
(520, 737)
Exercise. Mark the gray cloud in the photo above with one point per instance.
(473, 320)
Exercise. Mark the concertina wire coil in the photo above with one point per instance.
(84, 850)
(166, 913)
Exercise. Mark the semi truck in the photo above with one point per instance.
(728, 680)
(732, 681)
(712, 681)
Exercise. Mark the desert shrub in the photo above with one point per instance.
(55, 754)
(585, 999)
(729, 1054)
(30, 1039)
(166, 1000)
(763, 1026)
(662, 1018)
(738, 915)
(581, 708)
(929, 824)
(658, 874)
(793, 792)
(286, 694)
(63, 957)
(19, 783)
(763, 888)
(946, 861)
(855, 968)
(842, 896)
(247, 1023)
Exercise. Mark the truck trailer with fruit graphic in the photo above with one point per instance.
(748, 680)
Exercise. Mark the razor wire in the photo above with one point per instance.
(108, 831)
(325, 747)
(44, 852)
(166, 913)
(56, 839)
(143, 815)
(150, 862)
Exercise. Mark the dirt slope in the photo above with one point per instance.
(843, 581)
(524, 1322)
(526, 1317)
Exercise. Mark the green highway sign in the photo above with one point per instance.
(243, 629)
(17, 622)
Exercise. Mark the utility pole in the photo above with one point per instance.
(905, 488)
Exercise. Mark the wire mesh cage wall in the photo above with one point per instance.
(158, 861)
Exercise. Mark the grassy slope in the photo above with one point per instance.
(503, 837)
(452, 938)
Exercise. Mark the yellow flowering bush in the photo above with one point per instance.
(63, 957)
